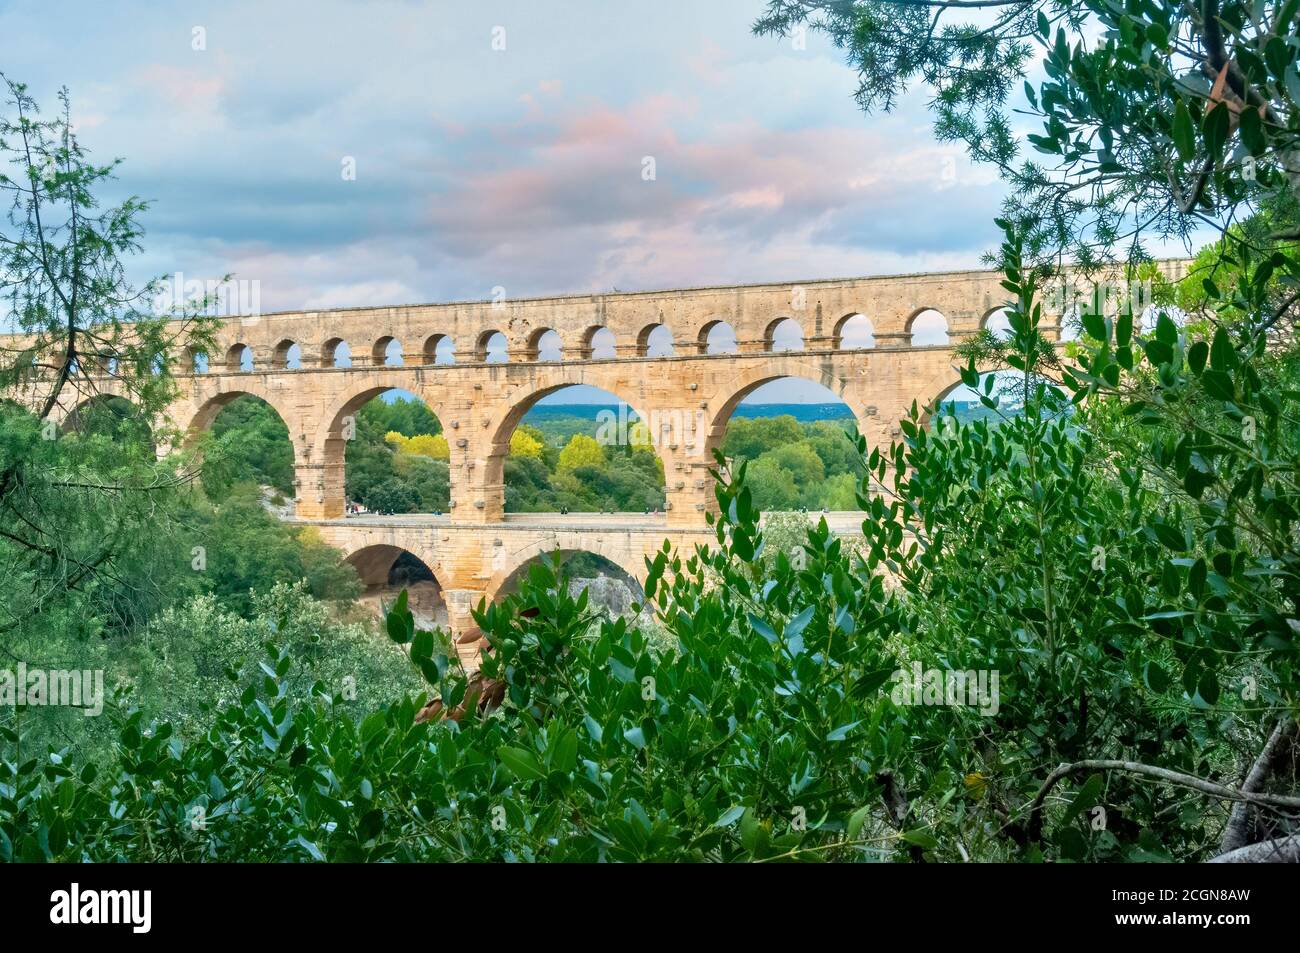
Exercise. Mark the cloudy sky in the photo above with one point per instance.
(523, 167)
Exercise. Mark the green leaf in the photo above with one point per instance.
(730, 816)
(311, 849)
(565, 757)
(762, 628)
(1218, 384)
(1208, 686)
(842, 732)
(1223, 356)
(1095, 325)
(1184, 134)
(522, 763)
(1088, 795)
(921, 838)
(1156, 678)
(856, 820)
(1170, 537)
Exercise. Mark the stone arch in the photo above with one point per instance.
(373, 560)
(782, 326)
(504, 424)
(712, 338)
(386, 352)
(487, 346)
(388, 567)
(329, 449)
(649, 340)
(995, 322)
(332, 356)
(438, 348)
(361, 393)
(545, 344)
(598, 338)
(284, 357)
(729, 396)
(207, 410)
(235, 355)
(936, 390)
(73, 419)
(198, 360)
(632, 564)
(851, 333)
(931, 322)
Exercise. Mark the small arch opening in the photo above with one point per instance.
(547, 345)
(493, 347)
(718, 337)
(239, 358)
(997, 323)
(336, 352)
(785, 334)
(855, 332)
(600, 344)
(387, 352)
(439, 349)
(928, 328)
(655, 341)
(288, 355)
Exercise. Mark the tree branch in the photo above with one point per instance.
(1035, 821)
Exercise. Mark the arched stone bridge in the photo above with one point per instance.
(686, 398)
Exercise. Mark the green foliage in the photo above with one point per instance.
(795, 465)
(382, 478)
(1155, 117)
(248, 442)
(246, 549)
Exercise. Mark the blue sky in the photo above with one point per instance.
(478, 167)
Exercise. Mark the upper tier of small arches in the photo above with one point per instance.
(927, 327)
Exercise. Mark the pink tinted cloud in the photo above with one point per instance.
(187, 88)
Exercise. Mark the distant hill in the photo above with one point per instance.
(544, 414)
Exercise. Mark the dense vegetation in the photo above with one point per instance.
(1070, 634)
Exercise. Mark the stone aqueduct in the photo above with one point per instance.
(689, 396)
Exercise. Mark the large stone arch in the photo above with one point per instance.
(632, 563)
(360, 390)
(485, 453)
(68, 416)
(205, 408)
(329, 446)
(371, 558)
(504, 421)
(729, 395)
